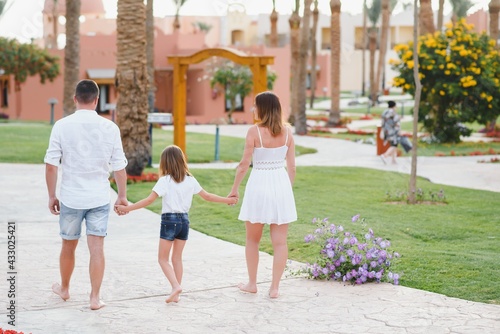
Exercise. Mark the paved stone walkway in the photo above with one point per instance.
(134, 287)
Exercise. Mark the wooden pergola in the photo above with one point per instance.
(257, 64)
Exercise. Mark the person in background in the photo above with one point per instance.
(391, 125)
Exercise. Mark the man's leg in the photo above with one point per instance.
(66, 266)
(96, 269)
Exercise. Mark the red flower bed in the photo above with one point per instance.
(145, 177)
(9, 331)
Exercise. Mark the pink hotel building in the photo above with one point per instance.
(204, 105)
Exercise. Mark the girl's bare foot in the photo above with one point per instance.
(174, 295)
(274, 293)
(58, 290)
(250, 288)
(96, 304)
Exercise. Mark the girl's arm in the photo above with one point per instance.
(141, 204)
(244, 164)
(290, 158)
(216, 198)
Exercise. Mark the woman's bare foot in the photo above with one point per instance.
(96, 304)
(174, 295)
(58, 290)
(250, 288)
(274, 293)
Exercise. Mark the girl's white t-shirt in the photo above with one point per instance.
(176, 197)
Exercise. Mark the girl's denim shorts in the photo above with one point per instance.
(174, 226)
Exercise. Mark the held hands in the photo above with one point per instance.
(121, 206)
(235, 196)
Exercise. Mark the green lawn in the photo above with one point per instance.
(450, 249)
(27, 143)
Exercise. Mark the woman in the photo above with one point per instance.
(268, 195)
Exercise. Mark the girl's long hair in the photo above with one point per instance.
(269, 112)
(173, 163)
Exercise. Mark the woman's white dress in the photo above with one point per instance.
(268, 194)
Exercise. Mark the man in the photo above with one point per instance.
(85, 145)
(391, 124)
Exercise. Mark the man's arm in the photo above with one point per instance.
(121, 183)
(51, 180)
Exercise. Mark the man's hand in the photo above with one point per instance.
(120, 201)
(54, 206)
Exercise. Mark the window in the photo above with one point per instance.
(4, 91)
(103, 99)
(238, 102)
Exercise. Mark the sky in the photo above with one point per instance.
(23, 18)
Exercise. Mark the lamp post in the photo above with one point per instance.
(52, 101)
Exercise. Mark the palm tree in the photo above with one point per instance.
(494, 8)
(314, 46)
(132, 82)
(418, 90)
(150, 40)
(426, 17)
(334, 117)
(387, 8)
(294, 22)
(300, 117)
(54, 25)
(363, 55)
(384, 30)
(440, 15)
(178, 5)
(460, 9)
(373, 13)
(273, 37)
(71, 55)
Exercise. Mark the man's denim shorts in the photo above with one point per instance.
(174, 226)
(96, 221)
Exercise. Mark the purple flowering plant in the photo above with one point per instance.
(349, 257)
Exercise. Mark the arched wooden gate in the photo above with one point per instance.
(257, 64)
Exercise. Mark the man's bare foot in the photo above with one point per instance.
(247, 288)
(96, 304)
(58, 290)
(274, 293)
(174, 295)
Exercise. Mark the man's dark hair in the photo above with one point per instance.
(86, 91)
(391, 104)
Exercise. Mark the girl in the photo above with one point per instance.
(268, 195)
(176, 186)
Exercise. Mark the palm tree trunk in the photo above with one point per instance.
(54, 25)
(383, 44)
(334, 117)
(314, 45)
(132, 80)
(71, 55)
(294, 22)
(273, 37)
(440, 15)
(418, 90)
(363, 55)
(300, 118)
(494, 8)
(150, 40)
(426, 17)
(373, 47)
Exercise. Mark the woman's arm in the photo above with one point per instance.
(290, 157)
(141, 204)
(216, 198)
(244, 164)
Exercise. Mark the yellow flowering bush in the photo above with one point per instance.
(460, 75)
